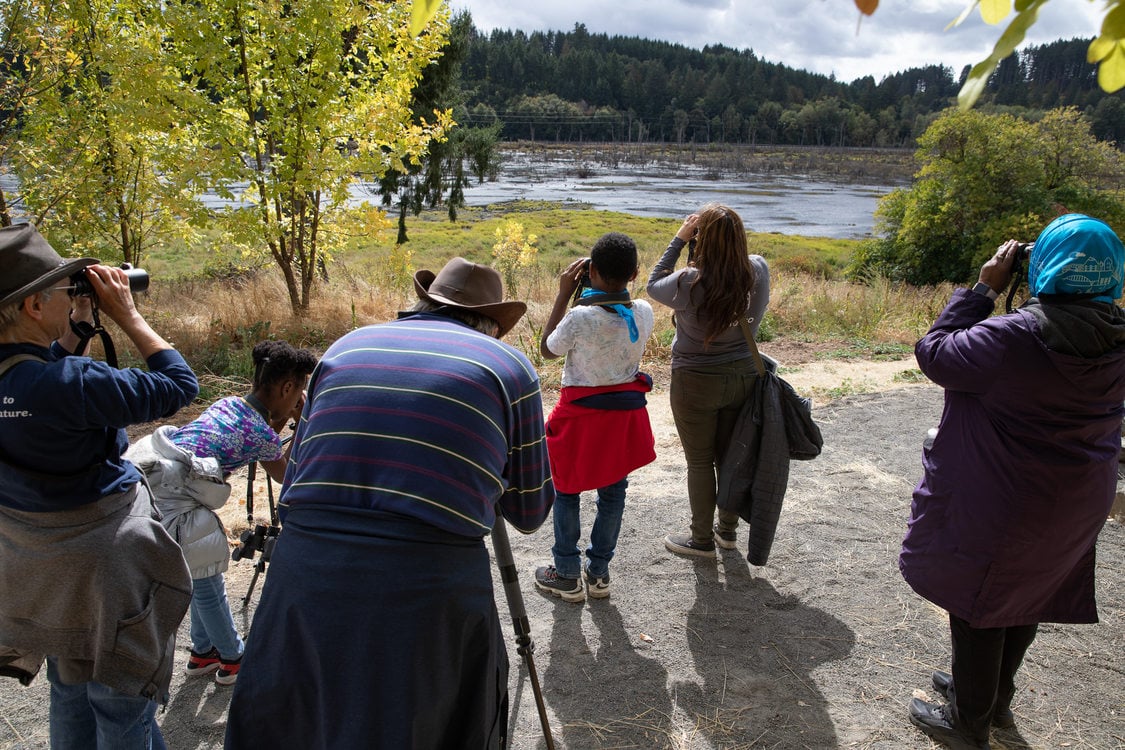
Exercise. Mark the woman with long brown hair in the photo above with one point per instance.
(712, 367)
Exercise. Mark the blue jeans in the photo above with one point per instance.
(603, 535)
(212, 624)
(91, 715)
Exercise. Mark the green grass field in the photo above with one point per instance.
(214, 305)
(563, 234)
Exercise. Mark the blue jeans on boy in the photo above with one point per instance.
(91, 715)
(212, 623)
(603, 535)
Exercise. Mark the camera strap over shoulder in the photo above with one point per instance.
(594, 297)
(258, 406)
(85, 331)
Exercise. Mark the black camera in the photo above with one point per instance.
(261, 538)
(1023, 250)
(585, 280)
(138, 281)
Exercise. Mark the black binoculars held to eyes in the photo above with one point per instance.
(585, 280)
(81, 286)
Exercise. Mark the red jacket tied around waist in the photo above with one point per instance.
(595, 446)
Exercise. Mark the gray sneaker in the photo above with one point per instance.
(568, 589)
(683, 544)
(726, 539)
(597, 587)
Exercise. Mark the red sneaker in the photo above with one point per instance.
(203, 663)
(228, 671)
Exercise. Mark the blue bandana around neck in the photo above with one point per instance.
(1078, 255)
(612, 300)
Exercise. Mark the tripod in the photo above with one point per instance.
(258, 537)
(524, 647)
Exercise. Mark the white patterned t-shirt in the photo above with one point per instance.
(596, 343)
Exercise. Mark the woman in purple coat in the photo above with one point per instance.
(1023, 470)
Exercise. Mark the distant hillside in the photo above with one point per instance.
(576, 86)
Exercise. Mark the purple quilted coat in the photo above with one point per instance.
(1022, 473)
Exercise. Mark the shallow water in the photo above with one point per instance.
(790, 204)
(787, 204)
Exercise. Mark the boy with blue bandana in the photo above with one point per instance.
(599, 431)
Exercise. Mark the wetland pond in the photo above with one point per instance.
(815, 206)
(786, 201)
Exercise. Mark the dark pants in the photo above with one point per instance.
(985, 661)
(373, 631)
(705, 403)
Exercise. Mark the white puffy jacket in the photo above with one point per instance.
(187, 490)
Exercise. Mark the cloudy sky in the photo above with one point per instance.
(816, 35)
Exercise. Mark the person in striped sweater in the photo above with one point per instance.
(377, 626)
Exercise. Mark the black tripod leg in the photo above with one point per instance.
(524, 647)
(271, 534)
(258, 568)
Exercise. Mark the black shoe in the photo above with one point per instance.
(726, 539)
(597, 587)
(936, 722)
(568, 589)
(1002, 716)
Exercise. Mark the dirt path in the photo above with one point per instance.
(821, 648)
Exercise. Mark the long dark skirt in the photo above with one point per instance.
(373, 631)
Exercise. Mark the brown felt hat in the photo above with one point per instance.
(28, 264)
(470, 286)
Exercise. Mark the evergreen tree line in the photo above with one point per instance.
(578, 86)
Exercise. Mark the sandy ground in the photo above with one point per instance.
(821, 648)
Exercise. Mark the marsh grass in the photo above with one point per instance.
(829, 309)
(215, 305)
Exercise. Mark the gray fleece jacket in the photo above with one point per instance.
(106, 601)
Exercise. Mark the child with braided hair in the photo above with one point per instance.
(187, 469)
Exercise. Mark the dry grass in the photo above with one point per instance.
(882, 312)
(215, 322)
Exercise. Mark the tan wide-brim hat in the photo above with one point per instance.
(470, 286)
(28, 263)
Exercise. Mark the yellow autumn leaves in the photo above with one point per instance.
(1107, 51)
(513, 250)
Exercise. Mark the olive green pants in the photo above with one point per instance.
(705, 405)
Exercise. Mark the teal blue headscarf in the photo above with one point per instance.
(1075, 254)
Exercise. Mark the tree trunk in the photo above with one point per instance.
(402, 238)
(290, 280)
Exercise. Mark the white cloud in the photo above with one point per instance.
(816, 35)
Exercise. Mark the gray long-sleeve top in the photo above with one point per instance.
(674, 289)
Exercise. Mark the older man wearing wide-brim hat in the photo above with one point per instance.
(378, 616)
(91, 582)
